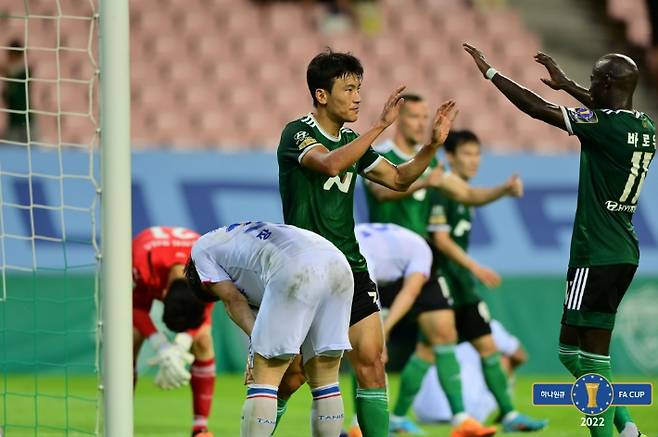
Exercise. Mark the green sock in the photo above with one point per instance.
(494, 376)
(622, 417)
(447, 369)
(281, 407)
(411, 379)
(570, 358)
(372, 411)
(600, 364)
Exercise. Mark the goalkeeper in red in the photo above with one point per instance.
(159, 257)
(318, 161)
(617, 146)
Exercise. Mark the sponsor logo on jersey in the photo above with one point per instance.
(613, 206)
(583, 115)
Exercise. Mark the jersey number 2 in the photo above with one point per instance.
(343, 184)
(639, 158)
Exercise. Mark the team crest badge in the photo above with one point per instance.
(584, 115)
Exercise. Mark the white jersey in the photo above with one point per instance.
(393, 252)
(251, 253)
(431, 404)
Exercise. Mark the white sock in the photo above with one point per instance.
(459, 418)
(630, 430)
(259, 411)
(327, 414)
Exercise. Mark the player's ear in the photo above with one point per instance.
(321, 96)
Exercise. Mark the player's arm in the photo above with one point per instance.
(524, 99)
(400, 177)
(458, 189)
(235, 303)
(332, 163)
(142, 303)
(404, 300)
(382, 193)
(444, 242)
(559, 81)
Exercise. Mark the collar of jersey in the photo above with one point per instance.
(634, 112)
(327, 135)
(400, 153)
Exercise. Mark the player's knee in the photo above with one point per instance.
(202, 345)
(442, 334)
(322, 371)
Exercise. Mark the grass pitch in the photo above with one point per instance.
(160, 413)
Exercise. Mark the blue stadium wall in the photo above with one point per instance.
(526, 240)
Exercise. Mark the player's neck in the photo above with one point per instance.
(404, 146)
(328, 124)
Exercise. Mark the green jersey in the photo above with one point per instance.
(411, 212)
(448, 215)
(314, 201)
(616, 149)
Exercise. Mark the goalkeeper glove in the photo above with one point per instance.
(172, 359)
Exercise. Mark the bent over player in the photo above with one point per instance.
(318, 161)
(302, 287)
(159, 256)
(617, 146)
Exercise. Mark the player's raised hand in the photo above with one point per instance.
(558, 80)
(514, 186)
(478, 57)
(445, 115)
(488, 277)
(392, 107)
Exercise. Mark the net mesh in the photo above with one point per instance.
(49, 205)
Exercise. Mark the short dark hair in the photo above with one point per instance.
(195, 283)
(182, 309)
(411, 97)
(459, 137)
(328, 66)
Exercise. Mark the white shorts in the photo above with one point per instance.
(306, 308)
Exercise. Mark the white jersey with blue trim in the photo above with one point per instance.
(392, 252)
(249, 254)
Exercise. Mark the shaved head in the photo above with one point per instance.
(614, 78)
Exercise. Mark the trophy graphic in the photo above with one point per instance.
(592, 389)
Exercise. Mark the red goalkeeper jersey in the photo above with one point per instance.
(155, 251)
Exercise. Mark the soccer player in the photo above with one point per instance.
(159, 255)
(301, 286)
(400, 262)
(411, 209)
(431, 404)
(318, 158)
(617, 146)
(450, 224)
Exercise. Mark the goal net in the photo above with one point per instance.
(49, 212)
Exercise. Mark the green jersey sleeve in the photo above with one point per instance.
(590, 126)
(439, 220)
(297, 139)
(368, 161)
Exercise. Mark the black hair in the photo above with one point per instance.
(459, 137)
(328, 66)
(195, 283)
(16, 44)
(411, 97)
(182, 309)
